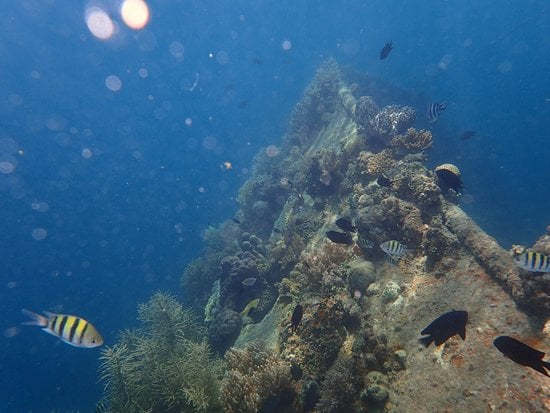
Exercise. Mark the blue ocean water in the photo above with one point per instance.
(112, 151)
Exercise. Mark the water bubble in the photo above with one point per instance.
(99, 23)
(6, 167)
(272, 151)
(40, 206)
(222, 57)
(11, 332)
(39, 234)
(176, 50)
(143, 73)
(11, 284)
(188, 122)
(113, 83)
(286, 45)
(86, 153)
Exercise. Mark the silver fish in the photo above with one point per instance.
(249, 282)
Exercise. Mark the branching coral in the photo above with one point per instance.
(254, 375)
(380, 163)
(414, 140)
(165, 366)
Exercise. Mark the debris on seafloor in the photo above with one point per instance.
(357, 347)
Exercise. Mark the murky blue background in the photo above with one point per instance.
(104, 193)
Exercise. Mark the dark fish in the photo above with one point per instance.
(276, 230)
(257, 61)
(345, 224)
(522, 354)
(243, 104)
(296, 318)
(296, 372)
(386, 50)
(384, 181)
(236, 221)
(339, 237)
(444, 327)
(469, 134)
(433, 111)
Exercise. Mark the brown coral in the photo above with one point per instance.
(254, 374)
(380, 163)
(414, 140)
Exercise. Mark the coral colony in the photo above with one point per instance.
(293, 307)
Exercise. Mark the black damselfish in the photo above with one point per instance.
(386, 50)
(522, 354)
(444, 327)
(384, 181)
(340, 237)
(296, 318)
(345, 224)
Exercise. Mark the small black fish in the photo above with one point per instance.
(444, 327)
(243, 104)
(469, 134)
(340, 237)
(296, 318)
(345, 224)
(522, 354)
(386, 50)
(257, 61)
(384, 181)
(296, 371)
(276, 230)
(236, 221)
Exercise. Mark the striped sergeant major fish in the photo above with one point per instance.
(394, 248)
(532, 261)
(71, 329)
(433, 111)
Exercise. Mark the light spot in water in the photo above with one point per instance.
(86, 153)
(209, 143)
(188, 122)
(39, 234)
(11, 284)
(11, 332)
(286, 45)
(176, 50)
(222, 57)
(113, 83)
(135, 13)
(6, 167)
(99, 23)
(505, 67)
(202, 189)
(272, 151)
(40, 206)
(143, 73)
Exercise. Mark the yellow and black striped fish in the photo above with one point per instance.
(394, 248)
(533, 261)
(71, 329)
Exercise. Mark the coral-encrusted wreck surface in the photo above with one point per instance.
(356, 348)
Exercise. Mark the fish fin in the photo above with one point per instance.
(541, 368)
(35, 319)
(426, 341)
(462, 334)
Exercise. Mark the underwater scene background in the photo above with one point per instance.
(177, 156)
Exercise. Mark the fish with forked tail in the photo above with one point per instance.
(340, 237)
(71, 329)
(386, 50)
(522, 354)
(444, 327)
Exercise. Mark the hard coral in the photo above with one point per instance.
(364, 114)
(393, 120)
(413, 140)
(254, 376)
(380, 163)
